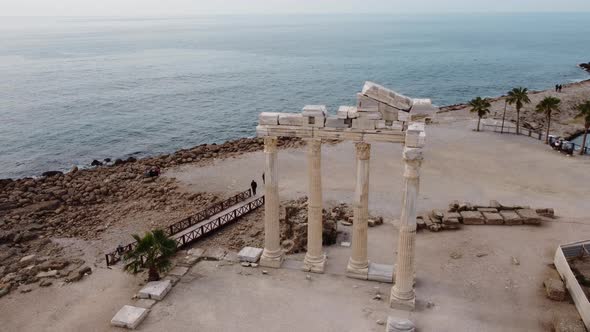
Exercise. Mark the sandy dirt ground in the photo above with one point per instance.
(469, 293)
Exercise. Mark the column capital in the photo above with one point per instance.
(413, 159)
(363, 150)
(270, 144)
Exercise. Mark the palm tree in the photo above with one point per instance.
(481, 107)
(546, 106)
(518, 96)
(153, 251)
(584, 110)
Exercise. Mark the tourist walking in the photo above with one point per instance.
(263, 181)
(253, 186)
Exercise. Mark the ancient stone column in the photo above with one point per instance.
(402, 293)
(315, 259)
(272, 255)
(358, 264)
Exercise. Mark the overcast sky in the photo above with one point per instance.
(203, 7)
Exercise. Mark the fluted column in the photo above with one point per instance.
(315, 259)
(402, 293)
(272, 256)
(358, 264)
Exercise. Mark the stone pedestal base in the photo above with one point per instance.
(273, 260)
(314, 265)
(357, 272)
(402, 304)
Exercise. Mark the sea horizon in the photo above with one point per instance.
(78, 89)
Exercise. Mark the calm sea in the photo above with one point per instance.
(77, 89)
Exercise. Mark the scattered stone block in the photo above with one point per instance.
(472, 218)
(447, 216)
(489, 210)
(155, 290)
(145, 303)
(435, 227)
(381, 272)
(451, 223)
(214, 253)
(291, 119)
(399, 325)
(529, 216)
(268, 118)
(454, 206)
(555, 289)
(387, 96)
(342, 112)
(511, 218)
(493, 218)
(250, 254)
(178, 271)
(231, 257)
(129, 317)
(437, 216)
(547, 212)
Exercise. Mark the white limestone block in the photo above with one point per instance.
(380, 124)
(290, 119)
(155, 290)
(403, 116)
(415, 135)
(129, 317)
(371, 115)
(363, 123)
(314, 121)
(250, 254)
(387, 96)
(389, 112)
(261, 131)
(353, 113)
(366, 103)
(334, 122)
(268, 118)
(315, 110)
(342, 112)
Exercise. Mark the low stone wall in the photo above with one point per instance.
(459, 214)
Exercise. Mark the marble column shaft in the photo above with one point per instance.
(315, 258)
(272, 256)
(402, 293)
(358, 264)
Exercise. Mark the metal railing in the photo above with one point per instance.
(116, 255)
(512, 130)
(578, 147)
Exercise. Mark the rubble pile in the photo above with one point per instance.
(459, 214)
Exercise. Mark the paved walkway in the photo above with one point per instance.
(215, 216)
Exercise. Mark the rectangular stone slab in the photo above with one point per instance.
(511, 218)
(268, 118)
(129, 317)
(249, 254)
(362, 123)
(381, 272)
(315, 110)
(342, 112)
(472, 218)
(366, 103)
(387, 96)
(529, 216)
(155, 290)
(178, 271)
(290, 119)
(371, 115)
(334, 122)
(493, 218)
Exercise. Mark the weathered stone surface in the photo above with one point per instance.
(366, 103)
(250, 254)
(489, 210)
(334, 122)
(178, 271)
(371, 115)
(568, 323)
(511, 218)
(450, 215)
(155, 290)
(423, 107)
(197, 252)
(268, 118)
(363, 123)
(451, 223)
(386, 96)
(129, 317)
(48, 274)
(314, 121)
(555, 289)
(145, 303)
(291, 119)
(342, 112)
(214, 253)
(381, 272)
(529, 216)
(403, 116)
(399, 325)
(472, 218)
(493, 218)
(546, 212)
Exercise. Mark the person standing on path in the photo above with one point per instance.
(263, 181)
(253, 186)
